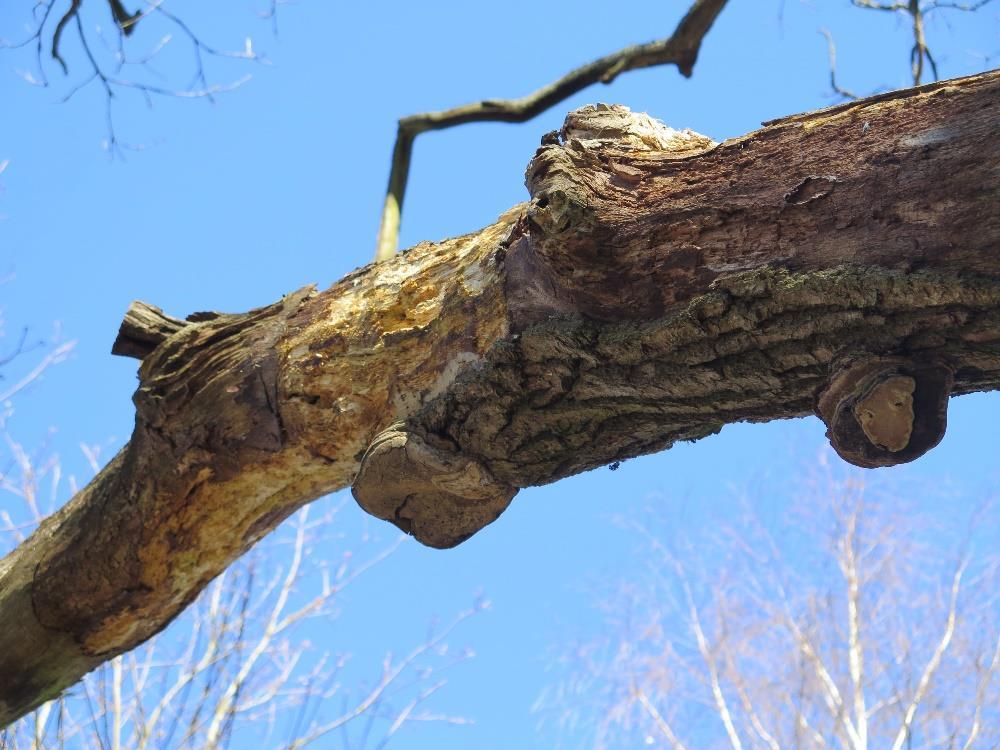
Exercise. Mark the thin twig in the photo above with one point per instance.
(35, 37)
(70, 13)
(984, 683)
(918, 11)
(112, 75)
(832, 52)
(390, 675)
(57, 355)
(721, 705)
(934, 662)
(657, 718)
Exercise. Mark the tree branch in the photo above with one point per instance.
(721, 705)
(109, 70)
(933, 663)
(981, 688)
(656, 287)
(665, 729)
(848, 560)
(680, 49)
(917, 10)
(831, 50)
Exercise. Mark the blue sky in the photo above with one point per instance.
(279, 184)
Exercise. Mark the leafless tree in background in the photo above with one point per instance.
(853, 627)
(77, 46)
(233, 666)
(916, 14)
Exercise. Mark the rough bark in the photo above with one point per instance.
(656, 287)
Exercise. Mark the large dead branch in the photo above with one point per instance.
(656, 287)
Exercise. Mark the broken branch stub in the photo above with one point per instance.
(143, 329)
(883, 411)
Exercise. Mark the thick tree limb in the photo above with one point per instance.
(656, 287)
(680, 49)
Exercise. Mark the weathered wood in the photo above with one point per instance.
(656, 287)
(144, 328)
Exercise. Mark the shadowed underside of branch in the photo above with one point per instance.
(656, 287)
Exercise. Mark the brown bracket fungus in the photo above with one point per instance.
(883, 411)
(437, 495)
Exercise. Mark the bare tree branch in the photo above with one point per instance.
(657, 718)
(932, 665)
(391, 672)
(57, 355)
(855, 651)
(832, 52)
(70, 14)
(781, 641)
(109, 66)
(680, 49)
(984, 684)
(721, 705)
(917, 10)
(581, 328)
(229, 670)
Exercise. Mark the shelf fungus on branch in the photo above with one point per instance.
(883, 411)
(426, 489)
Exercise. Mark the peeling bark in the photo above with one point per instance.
(656, 287)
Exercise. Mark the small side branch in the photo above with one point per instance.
(657, 718)
(680, 49)
(68, 16)
(923, 685)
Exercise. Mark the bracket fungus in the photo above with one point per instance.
(883, 411)
(427, 490)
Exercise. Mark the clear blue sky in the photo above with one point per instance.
(280, 184)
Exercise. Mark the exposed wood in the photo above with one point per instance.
(144, 328)
(656, 287)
